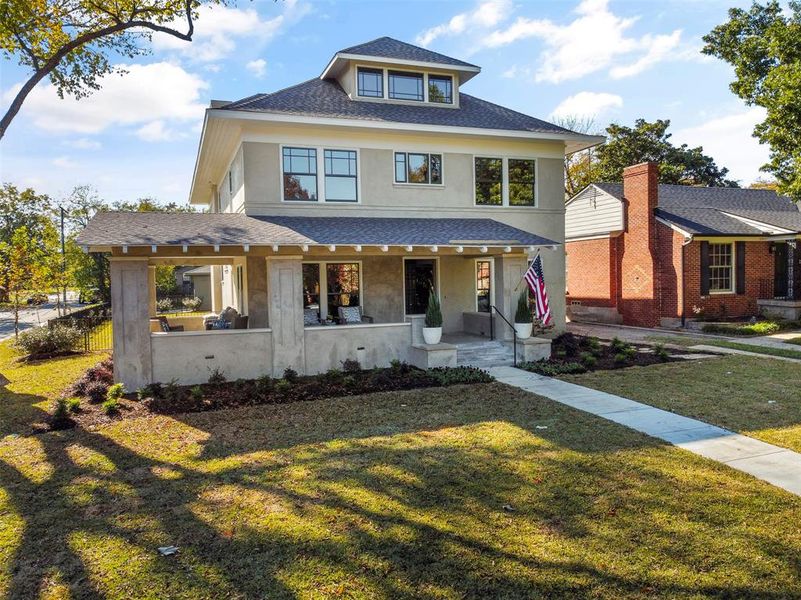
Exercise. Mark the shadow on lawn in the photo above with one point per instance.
(332, 507)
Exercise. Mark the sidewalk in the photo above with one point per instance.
(775, 465)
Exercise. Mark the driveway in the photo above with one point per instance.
(32, 317)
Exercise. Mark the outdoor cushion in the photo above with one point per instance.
(350, 314)
(310, 316)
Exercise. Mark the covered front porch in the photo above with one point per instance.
(310, 306)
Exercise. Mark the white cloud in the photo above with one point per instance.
(84, 144)
(595, 40)
(486, 14)
(146, 93)
(258, 67)
(728, 140)
(586, 105)
(156, 131)
(218, 28)
(64, 162)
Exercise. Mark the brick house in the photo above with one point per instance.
(649, 254)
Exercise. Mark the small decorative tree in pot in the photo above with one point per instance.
(432, 332)
(523, 318)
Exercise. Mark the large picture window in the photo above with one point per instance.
(412, 167)
(340, 175)
(440, 89)
(406, 86)
(371, 83)
(483, 285)
(521, 182)
(300, 174)
(489, 181)
(721, 268)
(342, 286)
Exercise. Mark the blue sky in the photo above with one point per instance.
(612, 60)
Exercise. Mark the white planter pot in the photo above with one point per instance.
(523, 330)
(432, 335)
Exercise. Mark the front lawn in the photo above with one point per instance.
(760, 397)
(479, 491)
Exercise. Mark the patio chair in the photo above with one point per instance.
(351, 315)
(166, 327)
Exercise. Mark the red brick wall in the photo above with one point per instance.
(590, 272)
(636, 248)
(669, 265)
(758, 268)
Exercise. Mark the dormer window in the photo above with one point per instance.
(440, 89)
(406, 86)
(371, 82)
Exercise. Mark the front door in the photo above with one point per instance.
(418, 278)
(780, 270)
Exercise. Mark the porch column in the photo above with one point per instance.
(285, 307)
(130, 320)
(508, 271)
(216, 288)
(151, 290)
(257, 301)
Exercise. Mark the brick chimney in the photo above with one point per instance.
(637, 246)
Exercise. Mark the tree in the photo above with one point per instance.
(763, 45)
(70, 41)
(580, 167)
(23, 209)
(22, 260)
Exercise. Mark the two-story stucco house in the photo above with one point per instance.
(333, 208)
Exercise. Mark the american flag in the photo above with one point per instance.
(536, 283)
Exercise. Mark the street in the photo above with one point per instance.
(33, 316)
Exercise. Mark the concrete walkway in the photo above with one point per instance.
(722, 350)
(773, 464)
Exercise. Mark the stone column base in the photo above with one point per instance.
(428, 356)
(533, 349)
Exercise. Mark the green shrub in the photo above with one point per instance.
(457, 375)
(216, 377)
(196, 393)
(111, 406)
(115, 392)
(290, 375)
(621, 358)
(588, 359)
(191, 303)
(566, 344)
(172, 392)
(41, 341)
(617, 345)
(154, 390)
(795, 340)
(758, 328)
(264, 384)
(61, 410)
(552, 369)
(433, 311)
(351, 366)
(164, 305)
(73, 404)
(96, 391)
(523, 312)
(282, 386)
(660, 352)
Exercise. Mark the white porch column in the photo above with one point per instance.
(216, 288)
(285, 285)
(131, 322)
(508, 271)
(151, 291)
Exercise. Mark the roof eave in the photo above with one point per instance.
(466, 72)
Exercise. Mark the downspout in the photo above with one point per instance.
(684, 245)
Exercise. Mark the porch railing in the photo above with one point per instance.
(514, 331)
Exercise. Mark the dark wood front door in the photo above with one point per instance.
(419, 278)
(780, 270)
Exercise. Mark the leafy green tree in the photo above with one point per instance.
(763, 44)
(23, 209)
(580, 167)
(71, 41)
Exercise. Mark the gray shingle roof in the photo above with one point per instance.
(324, 98)
(161, 229)
(703, 210)
(387, 47)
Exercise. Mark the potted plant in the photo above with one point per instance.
(523, 319)
(432, 332)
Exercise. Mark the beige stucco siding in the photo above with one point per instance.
(232, 197)
(593, 213)
(328, 347)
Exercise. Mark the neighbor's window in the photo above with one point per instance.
(300, 173)
(521, 182)
(405, 86)
(371, 83)
(489, 181)
(440, 89)
(342, 282)
(483, 285)
(721, 267)
(412, 167)
(340, 175)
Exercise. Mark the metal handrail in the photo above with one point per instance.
(514, 331)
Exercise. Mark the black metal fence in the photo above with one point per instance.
(94, 323)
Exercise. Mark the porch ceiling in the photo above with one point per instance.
(110, 230)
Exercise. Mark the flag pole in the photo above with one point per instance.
(523, 276)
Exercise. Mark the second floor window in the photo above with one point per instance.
(406, 86)
(300, 174)
(371, 83)
(489, 181)
(521, 182)
(340, 175)
(440, 89)
(413, 167)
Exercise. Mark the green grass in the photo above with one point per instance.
(796, 341)
(396, 495)
(752, 395)
(27, 389)
(769, 350)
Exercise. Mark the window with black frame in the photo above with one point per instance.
(370, 82)
(340, 175)
(420, 168)
(483, 285)
(440, 89)
(311, 293)
(405, 86)
(418, 277)
(522, 189)
(300, 174)
(489, 181)
(343, 285)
